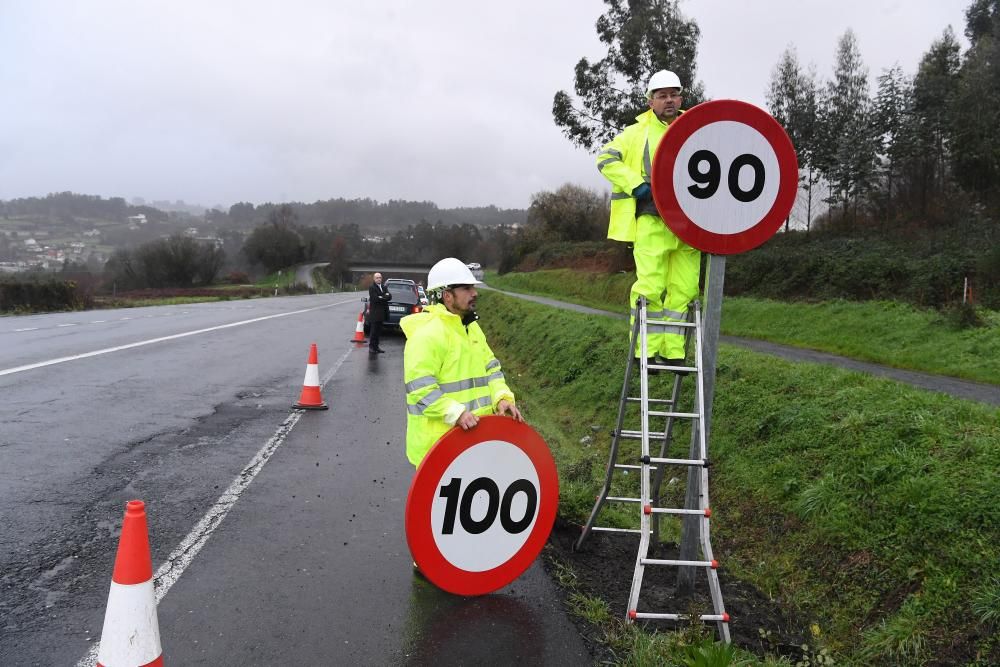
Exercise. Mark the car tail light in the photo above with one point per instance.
(417, 309)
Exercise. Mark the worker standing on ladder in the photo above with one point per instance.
(452, 377)
(666, 268)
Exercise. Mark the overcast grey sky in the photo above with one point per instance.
(219, 101)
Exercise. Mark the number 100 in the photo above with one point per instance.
(452, 491)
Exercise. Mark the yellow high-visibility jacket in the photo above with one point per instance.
(626, 161)
(447, 368)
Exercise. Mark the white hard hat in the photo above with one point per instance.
(450, 271)
(663, 79)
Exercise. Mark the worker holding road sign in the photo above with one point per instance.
(666, 267)
(452, 377)
(485, 494)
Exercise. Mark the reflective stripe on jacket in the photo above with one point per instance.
(447, 368)
(626, 161)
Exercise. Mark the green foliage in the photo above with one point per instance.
(594, 610)
(845, 147)
(812, 657)
(597, 290)
(236, 278)
(708, 654)
(350, 215)
(571, 213)
(642, 36)
(986, 602)
(963, 316)
(883, 332)
(925, 270)
(275, 245)
(69, 206)
(529, 254)
(39, 296)
(901, 640)
(792, 99)
(976, 146)
(177, 261)
(926, 141)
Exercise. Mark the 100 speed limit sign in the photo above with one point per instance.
(725, 177)
(481, 506)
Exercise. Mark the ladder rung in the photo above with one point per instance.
(637, 435)
(638, 399)
(664, 367)
(626, 466)
(616, 530)
(687, 415)
(679, 617)
(680, 462)
(681, 563)
(671, 510)
(622, 499)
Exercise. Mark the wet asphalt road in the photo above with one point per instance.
(310, 565)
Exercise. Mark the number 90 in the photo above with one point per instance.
(708, 180)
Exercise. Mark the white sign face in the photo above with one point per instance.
(486, 506)
(726, 177)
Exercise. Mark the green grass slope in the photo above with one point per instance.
(867, 508)
(888, 333)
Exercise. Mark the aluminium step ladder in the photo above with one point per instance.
(647, 466)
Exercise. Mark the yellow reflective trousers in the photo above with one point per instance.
(667, 272)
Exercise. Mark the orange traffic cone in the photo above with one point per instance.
(359, 331)
(311, 399)
(131, 634)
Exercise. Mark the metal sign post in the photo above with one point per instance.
(690, 528)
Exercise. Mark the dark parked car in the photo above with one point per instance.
(405, 301)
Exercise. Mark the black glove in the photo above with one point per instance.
(642, 192)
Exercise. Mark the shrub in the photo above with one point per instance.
(39, 296)
(236, 278)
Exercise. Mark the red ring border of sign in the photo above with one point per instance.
(423, 490)
(681, 129)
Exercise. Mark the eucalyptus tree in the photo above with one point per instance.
(845, 148)
(935, 89)
(641, 36)
(892, 111)
(976, 107)
(791, 99)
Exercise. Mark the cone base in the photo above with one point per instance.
(321, 406)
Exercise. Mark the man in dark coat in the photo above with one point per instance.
(378, 312)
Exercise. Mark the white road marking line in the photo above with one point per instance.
(98, 321)
(27, 329)
(107, 350)
(60, 326)
(171, 570)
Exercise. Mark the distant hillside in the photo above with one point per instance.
(374, 216)
(371, 216)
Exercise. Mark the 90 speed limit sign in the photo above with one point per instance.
(725, 177)
(481, 506)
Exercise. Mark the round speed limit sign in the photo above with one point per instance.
(725, 177)
(481, 506)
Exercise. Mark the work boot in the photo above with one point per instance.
(649, 362)
(674, 362)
